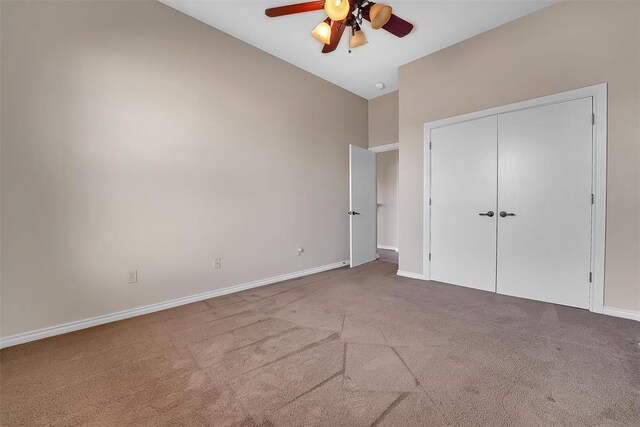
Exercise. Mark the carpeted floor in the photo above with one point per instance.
(388, 256)
(346, 347)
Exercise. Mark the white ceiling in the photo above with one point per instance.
(437, 24)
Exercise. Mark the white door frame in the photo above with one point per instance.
(385, 148)
(599, 177)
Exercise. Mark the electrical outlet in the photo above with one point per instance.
(133, 276)
(218, 263)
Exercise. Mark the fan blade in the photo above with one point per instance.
(337, 28)
(294, 8)
(396, 26)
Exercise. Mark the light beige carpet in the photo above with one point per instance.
(344, 347)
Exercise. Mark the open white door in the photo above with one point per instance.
(362, 205)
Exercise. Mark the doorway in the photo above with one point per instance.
(387, 174)
(373, 203)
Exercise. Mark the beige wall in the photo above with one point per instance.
(566, 46)
(135, 137)
(383, 120)
(387, 177)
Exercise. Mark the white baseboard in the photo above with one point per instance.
(120, 315)
(618, 312)
(388, 248)
(411, 275)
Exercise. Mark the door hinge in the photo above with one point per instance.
(593, 119)
(429, 201)
(429, 145)
(429, 256)
(592, 198)
(590, 277)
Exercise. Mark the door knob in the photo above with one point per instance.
(503, 214)
(354, 213)
(489, 214)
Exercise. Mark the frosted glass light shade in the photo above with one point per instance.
(322, 32)
(379, 15)
(337, 10)
(357, 39)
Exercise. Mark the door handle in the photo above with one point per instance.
(504, 214)
(354, 213)
(489, 214)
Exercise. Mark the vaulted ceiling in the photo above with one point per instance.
(437, 24)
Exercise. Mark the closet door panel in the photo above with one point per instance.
(463, 186)
(544, 179)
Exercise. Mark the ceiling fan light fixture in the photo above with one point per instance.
(337, 10)
(346, 13)
(358, 38)
(322, 31)
(379, 15)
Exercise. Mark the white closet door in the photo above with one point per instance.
(463, 186)
(544, 178)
